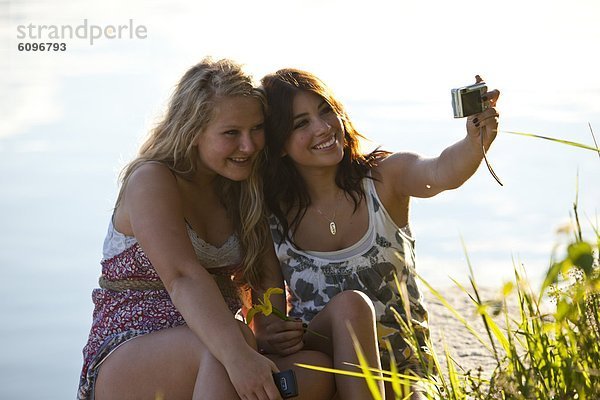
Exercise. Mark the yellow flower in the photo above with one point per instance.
(265, 307)
(267, 299)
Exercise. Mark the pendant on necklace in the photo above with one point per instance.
(332, 228)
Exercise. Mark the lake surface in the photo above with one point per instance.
(70, 121)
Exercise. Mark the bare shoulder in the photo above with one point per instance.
(409, 174)
(150, 180)
(390, 173)
(396, 164)
(151, 173)
(389, 177)
(150, 184)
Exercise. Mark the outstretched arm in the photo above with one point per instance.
(416, 176)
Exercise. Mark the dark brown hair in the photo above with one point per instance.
(284, 187)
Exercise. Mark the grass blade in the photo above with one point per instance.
(495, 329)
(567, 142)
(364, 366)
(455, 313)
(479, 302)
(405, 379)
(594, 137)
(394, 370)
(452, 373)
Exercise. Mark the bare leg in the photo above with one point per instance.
(212, 372)
(312, 385)
(355, 308)
(171, 363)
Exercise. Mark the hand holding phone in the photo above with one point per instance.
(286, 383)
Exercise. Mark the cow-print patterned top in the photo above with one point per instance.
(370, 266)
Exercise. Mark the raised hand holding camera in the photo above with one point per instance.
(477, 104)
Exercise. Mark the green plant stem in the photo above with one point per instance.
(567, 142)
(594, 137)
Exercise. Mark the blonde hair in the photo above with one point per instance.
(172, 143)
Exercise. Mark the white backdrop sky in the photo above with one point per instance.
(543, 54)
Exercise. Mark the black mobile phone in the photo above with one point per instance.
(286, 383)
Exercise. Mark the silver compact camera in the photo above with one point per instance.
(468, 100)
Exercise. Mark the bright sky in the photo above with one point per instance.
(543, 54)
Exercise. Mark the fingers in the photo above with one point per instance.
(287, 343)
(270, 389)
(491, 96)
(280, 326)
(485, 123)
(268, 392)
(272, 392)
(289, 350)
(488, 112)
(272, 365)
(491, 118)
(486, 120)
(284, 331)
(487, 115)
(286, 336)
(281, 346)
(258, 395)
(292, 325)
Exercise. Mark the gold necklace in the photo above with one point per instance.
(332, 225)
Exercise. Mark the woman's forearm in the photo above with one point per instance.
(458, 163)
(201, 304)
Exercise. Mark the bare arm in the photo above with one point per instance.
(153, 205)
(416, 176)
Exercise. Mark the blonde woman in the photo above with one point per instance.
(176, 255)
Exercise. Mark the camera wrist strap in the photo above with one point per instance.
(487, 163)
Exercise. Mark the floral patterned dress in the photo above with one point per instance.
(121, 314)
(370, 266)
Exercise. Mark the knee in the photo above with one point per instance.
(353, 305)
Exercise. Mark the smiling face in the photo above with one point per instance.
(317, 138)
(232, 139)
